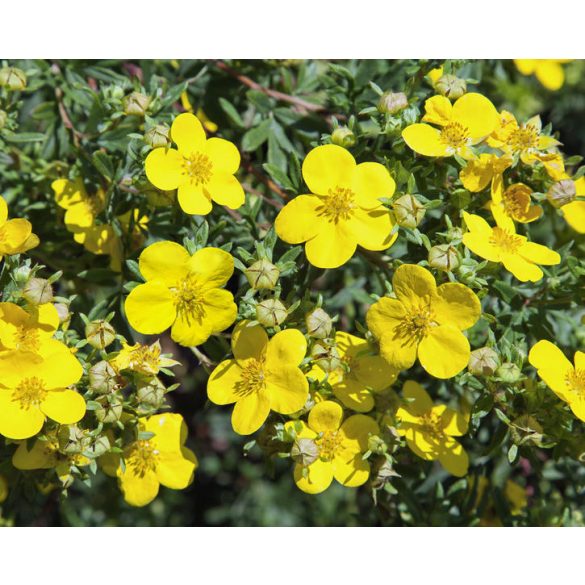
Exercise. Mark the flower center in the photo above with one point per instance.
(430, 424)
(252, 378)
(198, 167)
(328, 443)
(576, 381)
(30, 392)
(517, 200)
(145, 358)
(455, 135)
(523, 138)
(416, 324)
(188, 298)
(26, 339)
(142, 458)
(506, 241)
(339, 205)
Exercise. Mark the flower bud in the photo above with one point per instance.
(158, 136)
(262, 275)
(100, 446)
(12, 78)
(151, 393)
(509, 372)
(318, 323)
(136, 104)
(72, 440)
(343, 137)
(271, 312)
(451, 86)
(561, 193)
(483, 362)
(444, 257)
(63, 312)
(455, 234)
(408, 211)
(392, 103)
(3, 119)
(384, 472)
(38, 291)
(103, 378)
(526, 430)
(377, 445)
(110, 409)
(326, 356)
(100, 334)
(304, 452)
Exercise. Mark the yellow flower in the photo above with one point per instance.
(360, 376)
(27, 330)
(514, 202)
(144, 359)
(34, 386)
(548, 71)
(479, 172)
(343, 209)
(3, 489)
(81, 209)
(202, 170)
(339, 448)
(161, 460)
(429, 429)
(465, 123)
(564, 379)
(425, 321)
(16, 235)
(503, 244)
(264, 376)
(183, 292)
(207, 123)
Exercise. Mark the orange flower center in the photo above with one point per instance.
(188, 299)
(576, 381)
(252, 378)
(30, 392)
(328, 443)
(455, 135)
(339, 205)
(523, 138)
(198, 167)
(416, 324)
(142, 457)
(506, 241)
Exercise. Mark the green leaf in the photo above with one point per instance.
(257, 136)
(103, 163)
(26, 137)
(231, 112)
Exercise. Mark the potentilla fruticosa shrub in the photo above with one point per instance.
(378, 266)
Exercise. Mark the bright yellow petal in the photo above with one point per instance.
(372, 229)
(223, 154)
(250, 413)
(193, 199)
(68, 193)
(457, 305)
(553, 367)
(327, 167)
(191, 330)
(170, 431)
(444, 352)
(354, 395)
(138, 490)
(249, 341)
(384, 315)
(480, 244)
(213, 267)
(150, 307)
(550, 74)
(188, 134)
(425, 140)
(174, 470)
(164, 261)
(39, 457)
(438, 110)
(539, 254)
(286, 348)
(287, 387)
(333, 245)
(453, 458)
(574, 214)
(478, 173)
(477, 224)
(223, 386)
(526, 66)
(297, 221)
(453, 422)
(15, 422)
(164, 168)
(317, 477)
(4, 209)
(226, 190)
(419, 402)
(220, 309)
(476, 113)
(65, 407)
(325, 416)
(521, 268)
(356, 430)
(370, 182)
(350, 469)
(375, 372)
(413, 284)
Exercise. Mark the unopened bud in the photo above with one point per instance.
(483, 362)
(509, 372)
(262, 275)
(343, 137)
(392, 103)
(100, 334)
(408, 211)
(151, 393)
(72, 440)
(271, 312)
(100, 446)
(12, 78)
(377, 445)
(318, 323)
(3, 119)
(63, 312)
(455, 234)
(110, 409)
(444, 257)
(38, 291)
(136, 104)
(561, 193)
(304, 452)
(157, 136)
(326, 357)
(103, 378)
(451, 86)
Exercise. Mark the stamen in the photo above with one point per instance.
(253, 378)
(30, 392)
(188, 299)
(198, 167)
(339, 205)
(455, 135)
(508, 242)
(328, 443)
(142, 457)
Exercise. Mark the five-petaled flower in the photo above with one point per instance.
(424, 321)
(143, 359)
(263, 376)
(462, 125)
(514, 201)
(27, 330)
(343, 209)
(338, 447)
(202, 170)
(16, 235)
(183, 292)
(503, 244)
(564, 379)
(429, 430)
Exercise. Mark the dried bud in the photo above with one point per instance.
(561, 193)
(383, 474)
(103, 378)
(12, 78)
(451, 86)
(3, 119)
(304, 452)
(343, 137)
(318, 323)
(110, 409)
(100, 446)
(444, 257)
(262, 275)
(38, 291)
(509, 372)
(100, 334)
(392, 103)
(72, 440)
(483, 361)
(151, 393)
(158, 136)
(408, 211)
(377, 445)
(271, 312)
(63, 312)
(136, 104)
(326, 356)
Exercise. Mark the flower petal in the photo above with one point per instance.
(226, 190)
(419, 402)
(444, 352)
(384, 315)
(298, 221)
(574, 214)
(477, 113)
(250, 413)
(164, 168)
(213, 267)
(138, 489)
(15, 422)
(477, 173)
(164, 261)
(350, 470)
(412, 284)
(372, 229)
(193, 199)
(188, 134)
(453, 457)
(65, 406)
(327, 167)
(170, 431)
(224, 382)
(220, 308)
(454, 423)
(223, 154)
(249, 341)
(521, 268)
(353, 395)
(371, 181)
(539, 254)
(150, 307)
(325, 416)
(355, 432)
(174, 470)
(287, 387)
(317, 477)
(438, 110)
(553, 367)
(456, 304)
(287, 348)
(333, 245)
(425, 140)
(550, 74)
